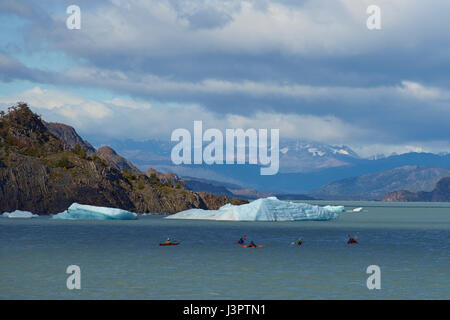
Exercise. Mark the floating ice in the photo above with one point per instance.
(336, 209)
(267, 209)
(358, 209)
(18, 214)
(85, 212)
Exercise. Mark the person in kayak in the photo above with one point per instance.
(241, 240)
(352, 239)
(168, 241)
(299, 242)
(252, 244)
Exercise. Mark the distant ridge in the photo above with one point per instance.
(441, 193)
(375, 185)
(232, 190)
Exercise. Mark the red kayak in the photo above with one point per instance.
(169, 244)
(352, 239)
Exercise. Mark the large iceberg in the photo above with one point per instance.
(19, 214)
(266, 209)
(336, 209)
(85, 212)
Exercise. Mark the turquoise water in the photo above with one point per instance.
(122, 259)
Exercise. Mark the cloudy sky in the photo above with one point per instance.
(139, 69)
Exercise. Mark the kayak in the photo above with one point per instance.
(169, 244)
(243, 240)
(350, 241)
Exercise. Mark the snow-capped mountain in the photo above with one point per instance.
(316, 149)
(296, 156)
(304, 156)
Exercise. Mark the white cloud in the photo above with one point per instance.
(316, 27)
(151, 84)
(308, 127)
(387, 149)
(419, 91)
(125, 118)
(133, 105)
(121, 118)
(59, 104)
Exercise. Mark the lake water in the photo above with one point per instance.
(410, 242)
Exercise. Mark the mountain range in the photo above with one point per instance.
(305, 167)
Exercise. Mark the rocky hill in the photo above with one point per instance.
(441, 193)
(44, 174)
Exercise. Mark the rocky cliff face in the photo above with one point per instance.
(38, 173)
(441, 193)
(120, 163)
(72, 140)
(164, 177)
(68, 135)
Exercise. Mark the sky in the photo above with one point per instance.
(311, 68)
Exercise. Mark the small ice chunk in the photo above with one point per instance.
(358, 209)
(335, 209)
(86, 212)
(18, 214)
(266, 209)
